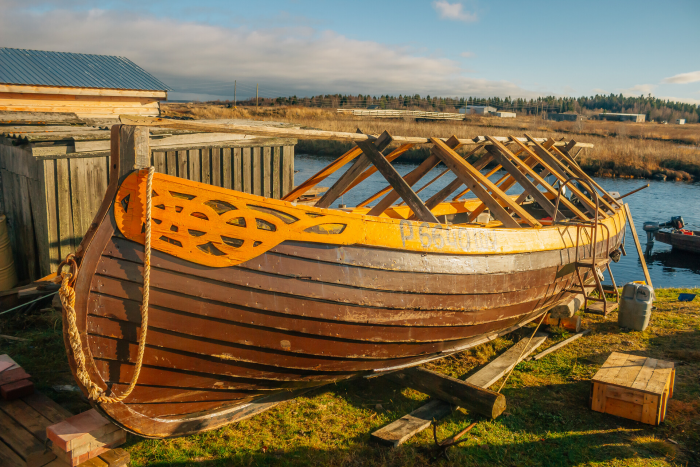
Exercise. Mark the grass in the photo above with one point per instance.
(630, 150)
(547, 422)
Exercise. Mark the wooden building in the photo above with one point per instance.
(91, 86)
(54, 173)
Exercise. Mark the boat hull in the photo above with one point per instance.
(680, 241)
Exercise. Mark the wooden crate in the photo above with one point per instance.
(51, 190)
(633, 387)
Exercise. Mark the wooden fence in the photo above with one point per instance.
(50, 199)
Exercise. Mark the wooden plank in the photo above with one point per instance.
(8, 458)
(205, 164)
(401, 430)
(215, 155)
(355, 171)
(194, 165)
(64, 209)
(660, 378)
(451, 390)
(40, 218)
(182, 165)
(650, 409)
(159, 162)
(237, 169)
(171, 163)
(474, 180)
(29, 251)
(267, 171)
(256, 165)
(629, 371)
(46, 407)
(637, 244)
(564, 157)
(611, 367)
(226, 167)
(624, 409)
(247, 170)
(560, 344)
(117, 457)
(287, 168)
(562, 173)
(32, 421)
(496, 369)
(277, 172)
(29, 448)
(506, 159)
(399, 184)
(624, 394)
(541, 180)
(598, 396)
(322, 174)
(411, 179)
(645, 374)
(372, 170)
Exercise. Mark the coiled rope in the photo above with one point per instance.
(67, 295)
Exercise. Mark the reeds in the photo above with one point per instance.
(632, 150)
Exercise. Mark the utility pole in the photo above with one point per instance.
(256, 97)
(234, 93)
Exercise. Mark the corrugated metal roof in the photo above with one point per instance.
(41, 68)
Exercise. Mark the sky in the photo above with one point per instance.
(477, 48)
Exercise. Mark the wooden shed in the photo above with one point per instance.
(91, 86)
(54, 173)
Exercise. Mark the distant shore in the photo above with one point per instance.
(621, 149)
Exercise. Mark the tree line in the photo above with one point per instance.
(654, 108)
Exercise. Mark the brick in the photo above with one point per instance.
(10, 376)
(79, 430)
(108, 439)
(4, 360)
(18, 389)
(77, 460)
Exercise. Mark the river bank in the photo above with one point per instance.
(621, 150)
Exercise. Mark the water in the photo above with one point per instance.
(659, 202)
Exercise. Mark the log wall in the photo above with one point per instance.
(50, 201)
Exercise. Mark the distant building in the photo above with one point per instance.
(91, 86)
(623, 117)
(477, 109)
(373, 107)
(566, 117)
(680, 121)
(505, 114)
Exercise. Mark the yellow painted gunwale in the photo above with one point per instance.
(360, 229)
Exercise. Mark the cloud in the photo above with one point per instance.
(467, 55)
(683, 78)
(638, 89)
(454, 11)
(201, 61)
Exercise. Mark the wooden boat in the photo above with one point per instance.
(256, 300)
(687, 240)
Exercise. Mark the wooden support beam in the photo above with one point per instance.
(399, 184)
(565, 157)
(638, 245)
(347, 179)
(495, 370)
(412, 178)
(452, 390)
(560, 345)
(322, 174)
(369, 172)
(474, 179)
(134, 149)
(540, 180)
(508, 161)
(562, 173)
(441, 195)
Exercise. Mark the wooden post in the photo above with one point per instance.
(457, 392)
(134, 149)
(638, 245)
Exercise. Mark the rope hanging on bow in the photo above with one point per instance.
(67, 295)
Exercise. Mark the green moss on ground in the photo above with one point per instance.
(547, 422)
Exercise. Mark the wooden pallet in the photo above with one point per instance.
(633, 387)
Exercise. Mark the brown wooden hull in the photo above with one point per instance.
(225, 342)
